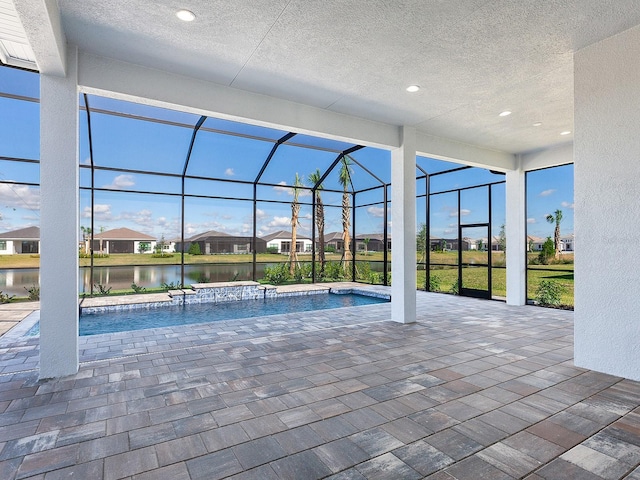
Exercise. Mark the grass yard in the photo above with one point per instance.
(118, 259)
(476, 278)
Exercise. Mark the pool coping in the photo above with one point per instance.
(19, 331)
(223, 292)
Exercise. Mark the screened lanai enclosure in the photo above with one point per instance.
(213, 189)
(204, 199)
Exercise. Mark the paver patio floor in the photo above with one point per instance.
(473, 390)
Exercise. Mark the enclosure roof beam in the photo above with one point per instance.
(366, 170)
(193, 140)
(285, 138)
(348, 151)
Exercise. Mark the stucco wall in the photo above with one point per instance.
(607, 205)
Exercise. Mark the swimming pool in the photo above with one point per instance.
(122, 321)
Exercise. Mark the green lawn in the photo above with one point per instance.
(33, 261)
(476, 278)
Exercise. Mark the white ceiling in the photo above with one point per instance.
(472, 58)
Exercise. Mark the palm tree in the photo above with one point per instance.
(101, 231)
(295, 212)
(557, 218)
(345, 180)
(314, 178)
(366, 241)
(86, 236)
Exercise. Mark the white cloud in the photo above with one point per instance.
(121, 181)
(567, 205)
(260, 214)
(19, 196)
(101, 212)
(229, 172)
(284, 188)
(546, 193)
(463, 213)
(531, 220)
(279, 222)
(448, 230)
(227, 217)
(376, 211)
(144, 218)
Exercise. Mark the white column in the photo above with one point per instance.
(403, 228)
(515, 230)
(59, 222)
(607, 209)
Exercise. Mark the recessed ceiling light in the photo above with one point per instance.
(566, 132)
(185, 15)
(413, 88)
(537, 124)
(505, 113)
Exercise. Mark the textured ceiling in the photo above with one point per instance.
(473, 58)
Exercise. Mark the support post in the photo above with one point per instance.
(515, 231)
(403, 228)
(59, 226)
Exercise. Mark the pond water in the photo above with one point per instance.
(16, 281)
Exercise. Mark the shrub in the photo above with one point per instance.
(272, 250)
(33, 292)
(138, 288)
(455, 288)
(102, 289)
(434, 283)
(95, 255)
(194, 249)
(306, 270)
(277, 274)
(333, 270)
(330, 249)
(363, 271)
(375, 278)
(171, 286)
(161, 255)
(548, 251)
(549, 293)
(5, 297)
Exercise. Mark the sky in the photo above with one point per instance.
(131, 143)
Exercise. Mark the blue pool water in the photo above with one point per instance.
(212, 312)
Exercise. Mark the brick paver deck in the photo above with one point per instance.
(473, 390)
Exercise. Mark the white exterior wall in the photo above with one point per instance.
(277, 243)
(59, 224)
(607, 206)
(403, 228)
(9, 248)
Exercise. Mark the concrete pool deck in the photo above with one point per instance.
(474, 390)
